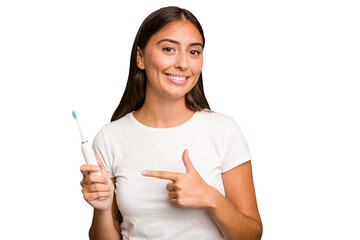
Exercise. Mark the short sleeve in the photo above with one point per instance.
(100, 148)
(236, 147)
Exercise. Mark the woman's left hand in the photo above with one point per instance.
(188, 189)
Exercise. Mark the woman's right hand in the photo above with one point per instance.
(95, 186)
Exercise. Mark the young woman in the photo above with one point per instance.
(171, 168)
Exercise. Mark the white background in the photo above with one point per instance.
(287, 71)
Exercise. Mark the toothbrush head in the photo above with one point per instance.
(74, 114)
(83, 138)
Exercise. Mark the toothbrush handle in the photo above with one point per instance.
(90, 158)
(89, 155)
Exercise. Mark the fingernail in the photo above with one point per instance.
(98, 168)
(143, 172)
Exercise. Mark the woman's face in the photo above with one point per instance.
(172, 60)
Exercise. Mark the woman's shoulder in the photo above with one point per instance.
(213, 120)
(120, 123)
(214, 116)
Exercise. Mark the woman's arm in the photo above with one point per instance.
(237, 214)
(95, 187)
(106, 223)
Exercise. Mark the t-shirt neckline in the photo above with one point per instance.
(181, 126)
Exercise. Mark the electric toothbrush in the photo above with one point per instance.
(86, 147)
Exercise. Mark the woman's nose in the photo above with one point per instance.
(181, 61)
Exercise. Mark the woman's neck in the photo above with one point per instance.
(163, 114)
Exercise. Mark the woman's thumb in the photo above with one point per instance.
(101, 165)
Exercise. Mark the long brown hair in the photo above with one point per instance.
(134, 94)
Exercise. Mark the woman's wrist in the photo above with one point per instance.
(213, 198)
(102, 212)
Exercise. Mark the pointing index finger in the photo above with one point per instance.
(160, 174)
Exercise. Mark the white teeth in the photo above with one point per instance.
(177, 78)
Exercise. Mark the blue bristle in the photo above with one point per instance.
(74, 114)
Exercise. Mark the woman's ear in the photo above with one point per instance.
(140, 59)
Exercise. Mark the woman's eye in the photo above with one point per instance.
(168, 49)
(194, 52)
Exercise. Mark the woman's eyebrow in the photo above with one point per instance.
(178, 43)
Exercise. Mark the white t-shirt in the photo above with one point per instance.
(126, 146)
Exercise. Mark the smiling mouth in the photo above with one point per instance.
(176, 79)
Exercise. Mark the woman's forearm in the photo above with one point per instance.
(232, 223)
(102, 227)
